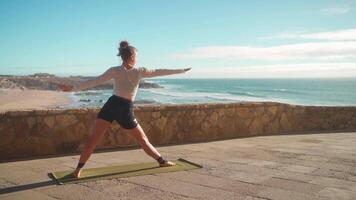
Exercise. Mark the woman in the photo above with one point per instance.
(119, 106)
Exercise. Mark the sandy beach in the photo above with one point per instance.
(16, 99)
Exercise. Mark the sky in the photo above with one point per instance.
(218, 39)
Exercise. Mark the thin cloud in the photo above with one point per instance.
(348, 34)
(286, 35)
(312, 50)
(332, 11)
(339, 35)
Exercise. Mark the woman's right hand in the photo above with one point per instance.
(65, 88)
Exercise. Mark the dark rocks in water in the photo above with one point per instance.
(88, 93)
(145, 102)
(145, 85)
(84, 100)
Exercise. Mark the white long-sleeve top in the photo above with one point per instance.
(126, 81)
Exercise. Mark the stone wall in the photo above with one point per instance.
(26, 134)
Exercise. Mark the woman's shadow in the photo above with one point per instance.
(54, 181)
(30, 186)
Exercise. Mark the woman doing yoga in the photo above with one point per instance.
(119, 106)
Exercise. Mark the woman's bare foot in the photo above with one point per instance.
(77, 172)
(167, 164)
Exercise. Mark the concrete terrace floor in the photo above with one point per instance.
(309, 166)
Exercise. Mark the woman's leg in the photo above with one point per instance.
(142, 139)
(99, 129)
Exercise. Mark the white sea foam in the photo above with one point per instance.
(74, 101)
(280, 90)
(250, 94)
(203, 96)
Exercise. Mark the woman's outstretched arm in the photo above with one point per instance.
(144, 72)
(107, 75)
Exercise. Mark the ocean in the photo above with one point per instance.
(323, 92)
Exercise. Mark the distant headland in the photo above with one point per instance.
(46, 81)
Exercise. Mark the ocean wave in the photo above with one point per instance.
(159, 92)
(155, 81)
(280, 90)
(250, 94)
(236, 98)
(185, 94)
(238, 87)
(203, 96)
(93, 92)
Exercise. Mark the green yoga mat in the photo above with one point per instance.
(120, 171)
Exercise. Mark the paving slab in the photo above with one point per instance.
(336, 193)
(126, 190)
(303, 166)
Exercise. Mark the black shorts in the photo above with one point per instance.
(119, 109)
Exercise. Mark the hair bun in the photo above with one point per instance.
(124, 44)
